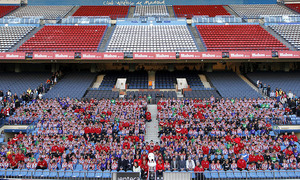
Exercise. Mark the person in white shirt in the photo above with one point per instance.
(272, 94)
(290, 94)
(136, 168)
(190, 164)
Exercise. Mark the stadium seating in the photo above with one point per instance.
(282, 80)
(101, 94)
(159, 10)
(11, 35)
(161, 38)
(189, 11)
(20, 82)
(73, 85)
(201, 94)
(47, 12)
(112, 11)
(4, 10)
(295, 7)
(256, 10)
(238, 37)
(291, 33)
(65, 38)
(155, 95)
(230, 85)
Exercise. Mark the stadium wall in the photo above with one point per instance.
(148, 2)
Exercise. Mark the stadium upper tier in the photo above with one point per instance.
(65, 38)
(151, 11)
(201, 10)
(48, 12)
(4, 10)
(238, 37)
(160, 38)
(11, 35)
(289, 32)
(256, 10)
(112, 11)
(295, 7)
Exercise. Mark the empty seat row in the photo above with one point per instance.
(295, 7)
(159, 10)
(4, 10)
(189, 11)
(112, 11)
(238, 37)
(65, 38)
(257, 10)
(48, 12)
(290, 33)
(161, 38)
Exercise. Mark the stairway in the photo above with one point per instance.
(196, 36)
(228, 9)
(250, 84)
(106, 38)
(98, 82)
(171, 11)
(204, 81)
(151, 77)
(277, 36)
(73, 10)
(152, 127)
(28, 36)
(131, 12)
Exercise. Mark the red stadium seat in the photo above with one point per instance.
(6, 9)
(112, 11)
(190, 11)
(295, 7)
(65, 38)
(238, 37)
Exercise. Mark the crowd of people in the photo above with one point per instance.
(196, 135)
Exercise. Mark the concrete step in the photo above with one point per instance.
(204, 81)
(131, 12)
(106, 38)
(73, 10)
(250, 84)
(98, 81)
(277, 36)
(152, 127)
(171, 11)
(231, 11)
(28, 36)
(197, 38)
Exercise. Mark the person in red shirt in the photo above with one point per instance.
(159, 169)
(294, 137)
(199, 170)
(277, 148)
(13, 163)
(205, 163)
(20, 135)
(205, 149)
(20, 156)
(126, 145)
(144, 167)
(252, 158)
(138, 160)
(241, 164)
(42, 164)
(54, 148)
(260, 157)
(236, 149)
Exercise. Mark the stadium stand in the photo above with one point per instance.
(101, 94)
(287, 81)
(256, 10)
(229, 85)
(295, 7)
(155, 95)
(65, 38)
(112, 11)
(238, 37)
(195, 94)
(159, 10)
(189, 11)
(160, 38)
(73, 85)
(135, 80)
(4, 10)
(11, 35)
(290, 32)
(47, 12)
(18, 83)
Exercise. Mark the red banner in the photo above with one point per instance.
(165, 55)
(43, 55)
(113, 56)
(288, 54)
(190, 55)
(239, 55)
(211, 55)
(261, 55)
(64, 55)
(144, 55)
(12, 55)
(91, 55)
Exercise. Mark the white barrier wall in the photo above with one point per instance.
(182, 83)
(121, 83)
